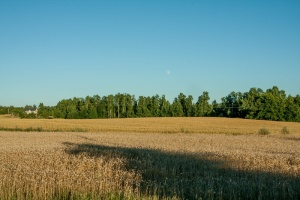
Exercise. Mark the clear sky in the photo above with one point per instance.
(57, 49)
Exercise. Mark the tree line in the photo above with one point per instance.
(272, 104)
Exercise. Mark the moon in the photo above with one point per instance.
(168, 72)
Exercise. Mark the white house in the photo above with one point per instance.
(31, 111)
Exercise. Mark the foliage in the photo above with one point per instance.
(264, 131)
(203, 108)
(273, 104)
(285, 131)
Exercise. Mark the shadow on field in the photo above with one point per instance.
(193, 176)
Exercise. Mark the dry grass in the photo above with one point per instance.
(68, 165)
(6, 116)
(150, 125)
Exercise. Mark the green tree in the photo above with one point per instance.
(102, 108)
(117, 102)
(164, 106)
(123, 105)
(72, 111)
(41, 110)
(130, 101)
(82, 107)
(272, 105)
(45, 111)
(92, 112)
(154, 106)
(292, 110)
(190, 109)
(230, 105)
(143, 106)
(176, 109)
(251, 102)
(110, 106)
(203, 108)
(183, 101)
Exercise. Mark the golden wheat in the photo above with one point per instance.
(68, 165)
(151, 125)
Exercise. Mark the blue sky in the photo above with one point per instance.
(52, 50)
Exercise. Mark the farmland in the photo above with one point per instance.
(209, 125)
(149, 158)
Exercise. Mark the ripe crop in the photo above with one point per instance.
(149, 125)
(138, 165)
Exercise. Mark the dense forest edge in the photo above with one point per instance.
(272, 104)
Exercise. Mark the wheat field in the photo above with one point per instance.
(115, 163)
(149, 125)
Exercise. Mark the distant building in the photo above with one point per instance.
(31, 111)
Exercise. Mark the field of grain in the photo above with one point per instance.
(123, 165)
(149, 125)
(148, 158)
